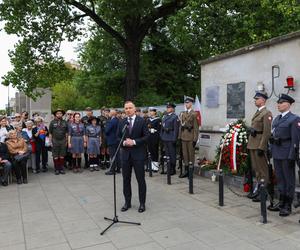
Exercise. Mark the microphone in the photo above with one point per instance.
(125, 126)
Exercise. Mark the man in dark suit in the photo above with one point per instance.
(111, 130)
(133, 154)
(285, 147)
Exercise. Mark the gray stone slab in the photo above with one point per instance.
(14, 247)
(147, 246)
(11, 238)
(64, 246)
(127, 236)
(75, 226)
(194, 245)
(86, 238)
(171, 237)
(104, 246)
(44, 239)
(215, 236)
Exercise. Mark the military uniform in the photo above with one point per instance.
(188, 134)
(284, 147)
(258, 140)
(169, 135)
(154, 126)
(58, 130)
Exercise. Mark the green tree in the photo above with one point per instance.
(43, 24)
(66, 96)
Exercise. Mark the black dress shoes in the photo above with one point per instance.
(125, 207)
(142, 208)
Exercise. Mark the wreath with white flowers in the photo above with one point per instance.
(232, 149)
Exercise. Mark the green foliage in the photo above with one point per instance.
(67, 96)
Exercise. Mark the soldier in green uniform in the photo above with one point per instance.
(260, 133)
(58, 133)
(188, 134)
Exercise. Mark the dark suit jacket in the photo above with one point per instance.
(111, 130)
(140, 134)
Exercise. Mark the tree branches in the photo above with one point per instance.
(99, 21)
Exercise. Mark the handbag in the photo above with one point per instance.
(21, 157)
(47, 142)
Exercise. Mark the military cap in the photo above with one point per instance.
(285, 98)
(88, 109)
(152, 109)
(188, 99)
(171, 105)
(262, 94)
(58, 110)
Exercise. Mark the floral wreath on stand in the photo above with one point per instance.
(232, 154)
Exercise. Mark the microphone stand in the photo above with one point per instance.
(115, 219)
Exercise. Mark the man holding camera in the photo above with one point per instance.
(260, 133)
(284, 147)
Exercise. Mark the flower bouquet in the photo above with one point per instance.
(232, 150)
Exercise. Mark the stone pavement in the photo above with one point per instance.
(66, 212)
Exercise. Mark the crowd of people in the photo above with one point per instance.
(25, 143)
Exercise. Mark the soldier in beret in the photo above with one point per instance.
(285, 148)
(260, 133)
(188, 134)
(169, 135)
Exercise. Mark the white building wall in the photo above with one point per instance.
(251, 68)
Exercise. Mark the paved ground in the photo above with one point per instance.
(66, 212)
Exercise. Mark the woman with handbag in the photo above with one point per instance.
(18, 150)
(40, 133)
(27, 134)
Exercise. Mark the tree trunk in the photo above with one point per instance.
(132, 70)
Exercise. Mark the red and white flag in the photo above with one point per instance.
(197, 109)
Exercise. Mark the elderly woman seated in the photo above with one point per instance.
(4, 163)
(18, 149)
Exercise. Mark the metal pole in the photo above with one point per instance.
(149, 164)
(221, 188)
(191, 176)
(168, 170)
(8, 108)
(263, 202)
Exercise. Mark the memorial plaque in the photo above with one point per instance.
(205, 140)
(236, 100)
(212, 96)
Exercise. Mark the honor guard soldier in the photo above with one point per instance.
(188, 134)
(284, 147)
(169, 135)
(58, 133)
(154, 125)
(260, 133)
(85, 120)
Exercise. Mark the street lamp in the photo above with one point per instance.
(8, 107)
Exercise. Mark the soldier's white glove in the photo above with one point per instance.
(152, 130)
